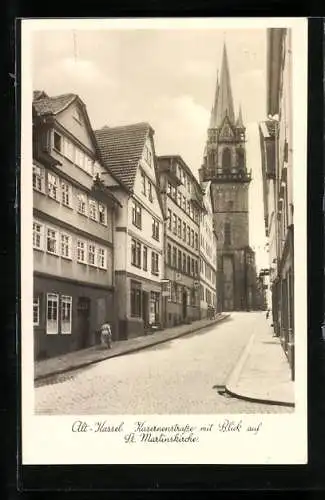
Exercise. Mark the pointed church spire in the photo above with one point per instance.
(239, 122)
(225, 105)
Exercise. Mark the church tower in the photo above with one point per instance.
(224, 164)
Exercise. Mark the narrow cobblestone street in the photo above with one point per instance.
(181, 376)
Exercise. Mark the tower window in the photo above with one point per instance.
(226, 158)
(227, 230)
(240, 159)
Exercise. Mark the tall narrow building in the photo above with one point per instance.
(224, 165)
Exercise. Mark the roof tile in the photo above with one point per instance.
(52, 105)
(121, 149)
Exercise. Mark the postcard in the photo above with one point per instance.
(163, 241)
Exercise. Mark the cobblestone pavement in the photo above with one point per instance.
(181, 376)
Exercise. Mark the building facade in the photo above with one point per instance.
(277, 165)
(224, 165)
(208, 256)
(73, 229)
(182, 202)
(128, 152)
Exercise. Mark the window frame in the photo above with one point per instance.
(49, 296)
(155, 229)
(66, 300)
(102, 212)
(56, 239)
(84, 250)
(38, 177)
(93, 209)
(69, 245)
(93, 253)
(40, 234)
(82, 202)
(53, 187)
(100, 256)
(136, 214)
(65, 193)
(36, 302)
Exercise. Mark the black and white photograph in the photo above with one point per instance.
(163, 240)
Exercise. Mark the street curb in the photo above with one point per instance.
(127, 351)
(235, 374)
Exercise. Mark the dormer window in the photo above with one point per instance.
(57, 142)
(77, 115)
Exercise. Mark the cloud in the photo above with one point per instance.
(198, 68)
(80, 73)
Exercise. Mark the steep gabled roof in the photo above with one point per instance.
(224, 105)
(52, 105)
(121, 149)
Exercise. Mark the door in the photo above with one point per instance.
(83, 321)
(184, 304)
(145, 308)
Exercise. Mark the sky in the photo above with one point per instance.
(166, 77)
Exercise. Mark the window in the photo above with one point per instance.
(196, 241)
(226, 159)
(36, 311)
(38, 235)
(179, 264)
(169, 219)
(184, 263)
(188, 235)
(101, 258)
(93, 210)
(169, 254)
(148, 155)
(68, 149)
(150, 191)
(155, 229)
(184, 202)
(66, 194)
(136, 215)
(82, 204)
(66, 246)
(52, 241)
(192, 267)
(174, 257)
(184, 231)
(192, 238)
(174, 223)
(179, 227)
(189, 187)
(189, 208)
(188, 265)
(102, 212)
(57, 141)
(135, 299)
(135, 253)
(77, 115)
(81, 251)
(52, 313)
(66, 306)
(38, 178)
(145, 258)
(227, 229)
(92, 254)
(52, 186)
(196, 268)
(154, 263)
(143, 183)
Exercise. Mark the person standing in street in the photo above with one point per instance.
(106, 335)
